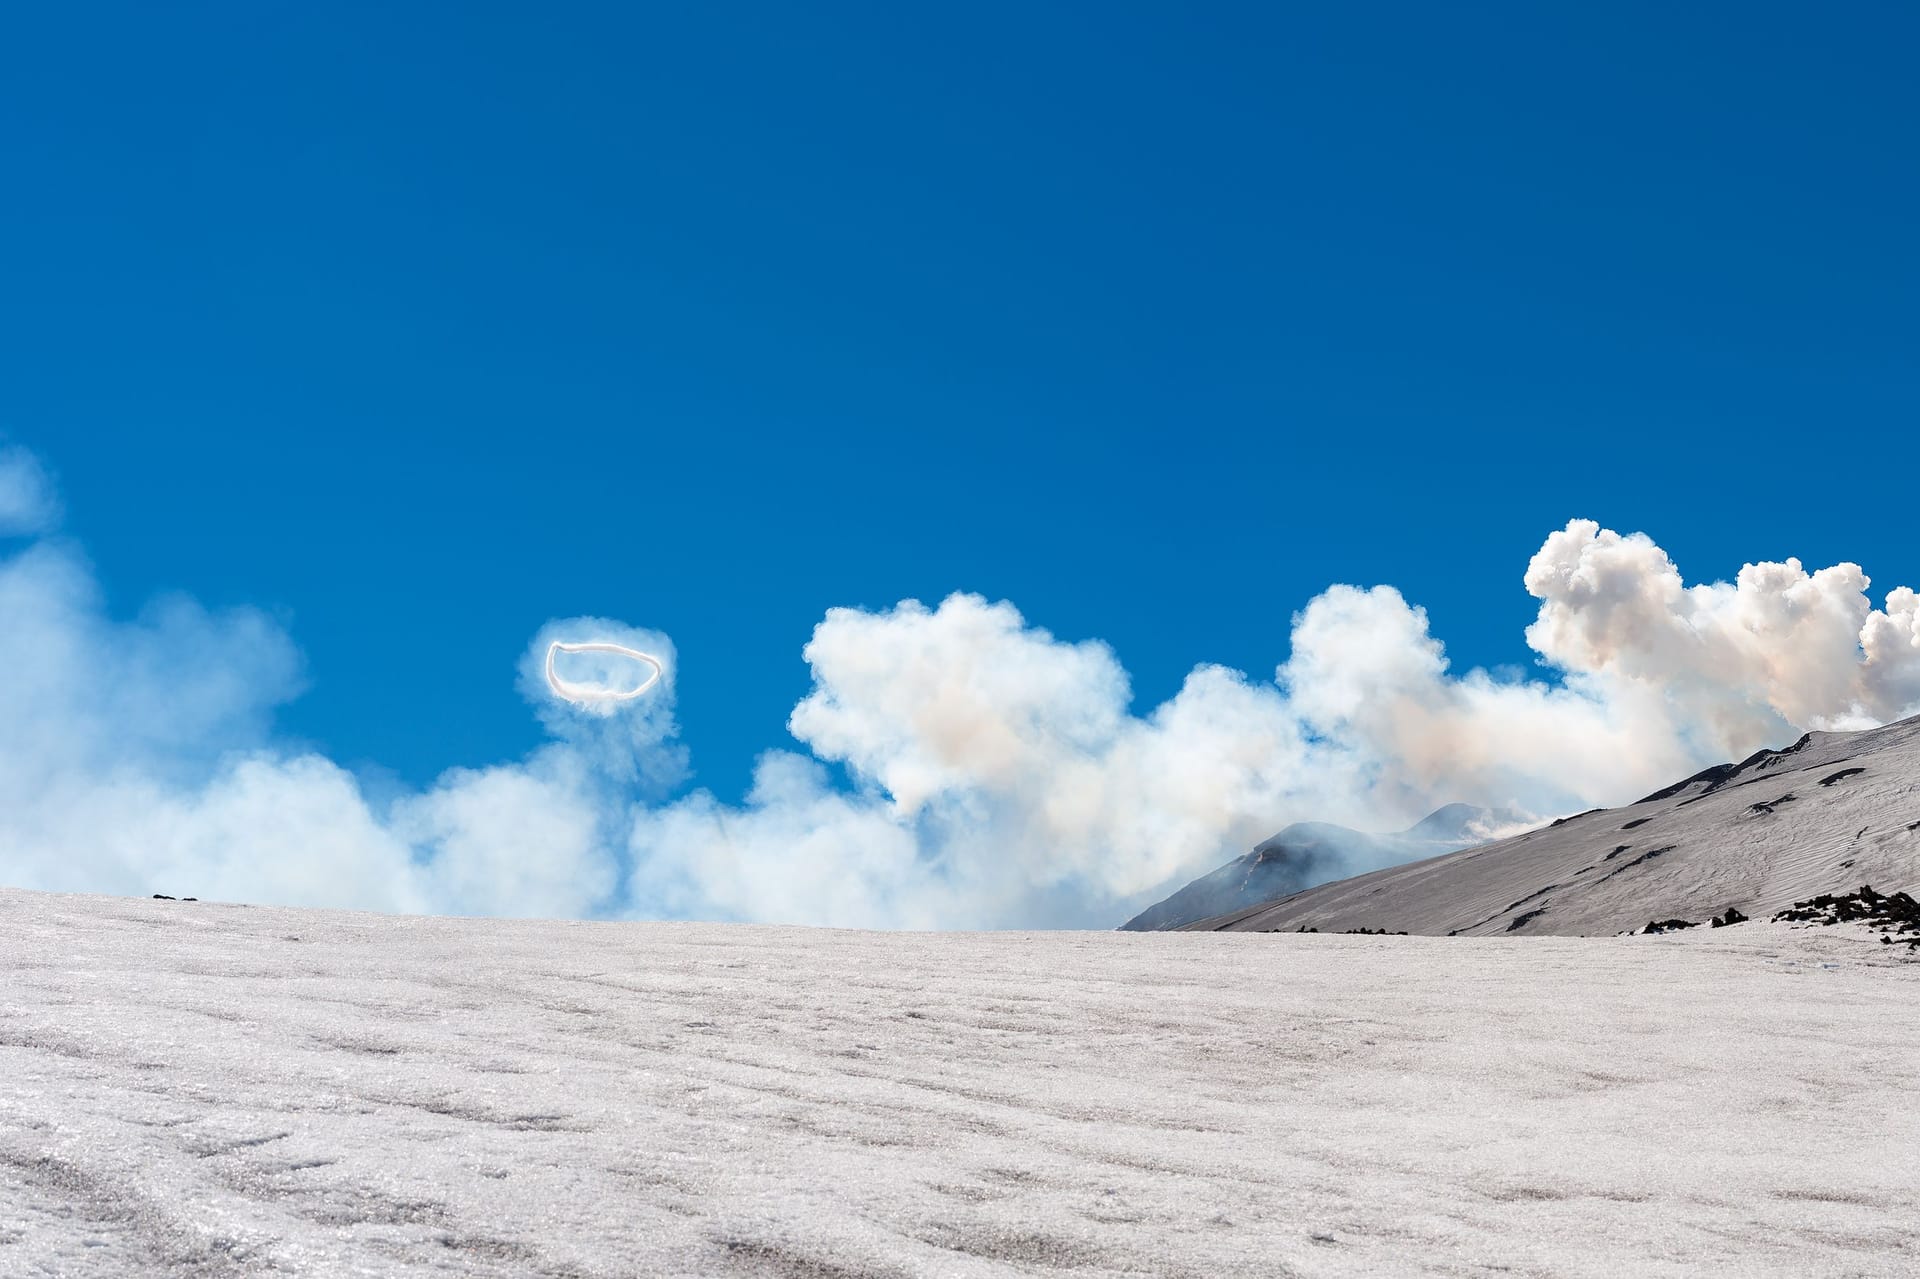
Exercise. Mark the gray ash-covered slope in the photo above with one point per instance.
(1307, 853)
(1827, 814)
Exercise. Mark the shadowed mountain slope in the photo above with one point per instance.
(1831, 812)
(1312, 852)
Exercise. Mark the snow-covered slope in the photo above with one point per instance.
(1308, 853)
(198, 1090)
(1829, 813)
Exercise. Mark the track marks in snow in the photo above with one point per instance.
(610, 1100)
(102, 1224)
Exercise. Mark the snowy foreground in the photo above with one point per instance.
(192, 1089)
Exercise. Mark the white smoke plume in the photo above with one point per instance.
(1779, 646)
(957, 766)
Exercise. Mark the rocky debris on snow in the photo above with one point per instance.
(1357, 932)
(1730, 917)
(1889, 914)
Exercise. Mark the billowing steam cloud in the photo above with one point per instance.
(1777, 646)
(956, 766)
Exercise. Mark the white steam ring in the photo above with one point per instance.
(591, 693)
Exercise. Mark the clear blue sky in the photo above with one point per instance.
(424, 324)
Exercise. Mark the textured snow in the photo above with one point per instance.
(1828, 814)
(197, 1089)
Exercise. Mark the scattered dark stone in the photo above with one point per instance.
(1375, 932)
(1529, 917)
(1842, 775)
(189, 899)
(1857, 834)
(1616, 852)
(1894, 914)
(1667, 925)
(1638, 821)
(1847, 863)
(162, 897)
(1913, 825)
(1767, 806)
(1583, 870)
(1304, 929)
(1733, 916)
(1562, 821)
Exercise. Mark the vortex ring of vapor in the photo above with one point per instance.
(584, 693)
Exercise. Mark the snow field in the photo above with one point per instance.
(206, 1090)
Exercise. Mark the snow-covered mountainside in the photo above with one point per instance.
(190, 1089)
(1827, 814)
(1308, 853)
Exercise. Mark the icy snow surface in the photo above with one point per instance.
(196, 1089)
(1825, 815)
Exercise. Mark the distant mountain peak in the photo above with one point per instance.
(1470, 824)
(1309, 853)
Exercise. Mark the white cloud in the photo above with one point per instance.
(518, 840)
(961, 768)
(28, 503)
(1776, 646)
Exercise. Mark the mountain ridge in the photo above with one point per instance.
(1831, 812)
(1288, 860)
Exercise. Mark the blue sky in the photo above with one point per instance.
(423, 327)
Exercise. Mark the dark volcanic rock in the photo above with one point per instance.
(1890, 914)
